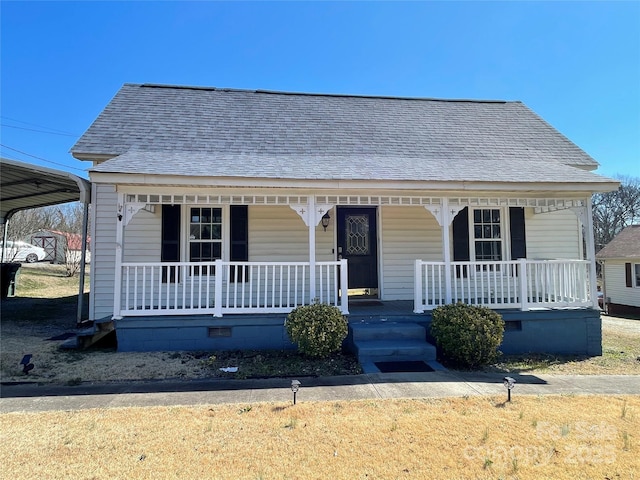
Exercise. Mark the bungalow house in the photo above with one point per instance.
(217, 211)
(620, 260)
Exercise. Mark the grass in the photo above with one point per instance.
(572, 437)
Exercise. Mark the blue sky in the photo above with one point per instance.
(575, 64)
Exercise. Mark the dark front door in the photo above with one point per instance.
(357, 242)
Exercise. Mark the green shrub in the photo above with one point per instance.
(467, 335)
(317, 329)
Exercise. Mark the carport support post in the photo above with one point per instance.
(83, 260)
(4, 238)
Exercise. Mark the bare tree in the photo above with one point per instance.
(612, 211)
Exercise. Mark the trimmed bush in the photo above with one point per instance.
(317, 329)
(468, 335)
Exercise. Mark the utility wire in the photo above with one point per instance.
(36, 125)
(40, 158)
(41, 131)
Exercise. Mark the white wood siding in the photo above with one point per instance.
(552, 235)
(408, 233)
(143, 237)
(278, 234)
(104, 251)
(616, 284)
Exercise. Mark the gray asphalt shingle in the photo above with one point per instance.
(625, 245)
(220, 132)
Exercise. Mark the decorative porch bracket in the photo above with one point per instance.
(126, 213)
(304, 211)
(311, 214)
(444, 215)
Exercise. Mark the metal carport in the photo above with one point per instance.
(24, 186)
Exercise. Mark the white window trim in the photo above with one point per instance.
(505, 237)
(185, 230)
(634, 275)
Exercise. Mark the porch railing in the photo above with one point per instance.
(522, 284)
(217, 288)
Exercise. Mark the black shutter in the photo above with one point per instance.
(627, 274)
(170, 246)
(461, 236)
(516, 227)
(239, 241)
(461, 239)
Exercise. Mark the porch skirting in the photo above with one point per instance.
(574, 331)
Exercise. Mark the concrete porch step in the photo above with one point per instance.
(394, 350)
(387, 331)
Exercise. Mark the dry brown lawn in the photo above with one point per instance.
(562, 437)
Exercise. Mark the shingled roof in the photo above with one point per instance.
(625, 245)
(160, 129)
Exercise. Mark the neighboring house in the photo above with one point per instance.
(60, 246)
(217, 211)
(620, 260)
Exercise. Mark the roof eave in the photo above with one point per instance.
(255, 182)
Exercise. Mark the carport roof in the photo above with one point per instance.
(24, 186)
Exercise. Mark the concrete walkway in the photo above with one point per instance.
(34, 398)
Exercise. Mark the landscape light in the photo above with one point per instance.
(295, 386)
(509, 383)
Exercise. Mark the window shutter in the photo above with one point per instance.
(516, 227)
(170, 244)
(461, 240)
(627, 274)
(239, 230)
(239, 238)
(461, 236)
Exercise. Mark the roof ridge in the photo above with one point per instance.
(310, 94)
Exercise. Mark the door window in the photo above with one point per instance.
(357, 233)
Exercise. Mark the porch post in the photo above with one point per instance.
(417, 287)
(446, 248)
(591, 255)
(344, 278)
(217, 289)
(524, 287)
(312, 248)
(117, 288)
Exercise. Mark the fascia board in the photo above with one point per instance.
(251, 182)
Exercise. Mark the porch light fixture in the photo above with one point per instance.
(509, 383)
(295, 386)
(325, 221)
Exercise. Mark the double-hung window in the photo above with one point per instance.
(632, 275)
(205, 234)
(487, 234)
